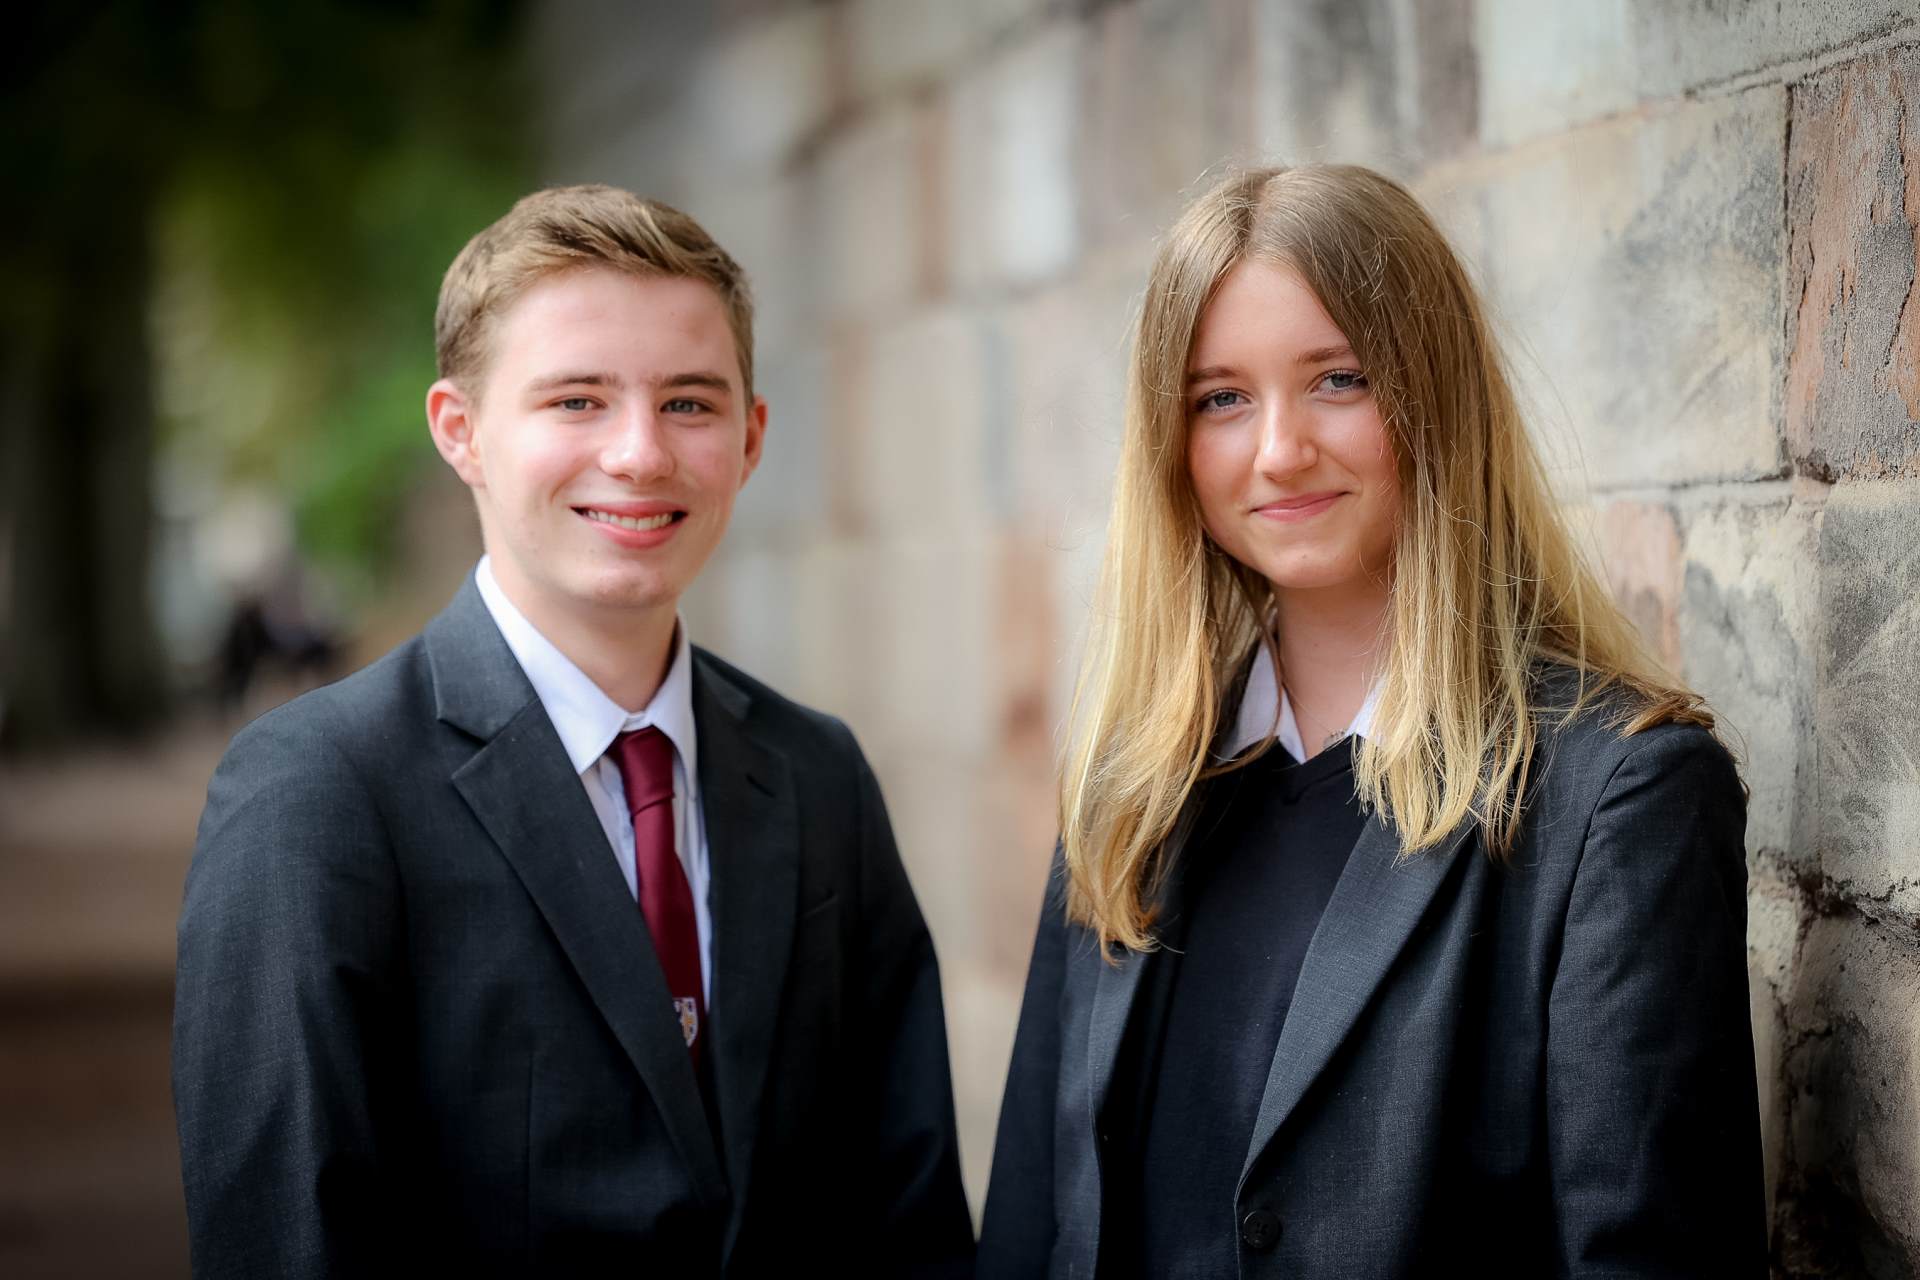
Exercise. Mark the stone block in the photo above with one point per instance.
(1679, 47)
(909, 444)
(982, 1013)
(895, 44)
(868, 218)
(617, 113)
(769, 227)
(912, 627)
(787, 496)
(1748, 626)
(1167, 94)
(1776, 922)
(1640, 555)
(1387, 83)
(1068, 349)
(1853, 331)
(1013, 207)
(1547, 67)
(1639, 263)
(1853, 1083)
(1867, 706)
(762, 90)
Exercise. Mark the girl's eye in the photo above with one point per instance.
(1215, 400)
(1345, 380)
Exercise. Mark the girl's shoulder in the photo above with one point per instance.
(1589, 733)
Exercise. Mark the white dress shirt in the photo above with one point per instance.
(588, 721)
(1260, 718)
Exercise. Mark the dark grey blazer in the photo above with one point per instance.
(1544, 1068)
(419, 1022)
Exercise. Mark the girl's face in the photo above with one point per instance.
(1292, 467)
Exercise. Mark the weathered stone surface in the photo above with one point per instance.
(1683, 46)
(763, 226)
(912, 453)
(1067, 355)
(1547, 67)
(1640, 554)
(1014, 209)
(1868, 700)
(1390, 83)
(1640, 265)
(1776, 922)
(787, 495)
(765, 87)
(870, 219)
(1748, 622)
(895, 44)
(1851, 1204)
(1853, 331)
(1167, 92)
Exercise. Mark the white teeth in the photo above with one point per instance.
(631, 522)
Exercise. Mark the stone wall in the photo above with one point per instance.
(1698, 223)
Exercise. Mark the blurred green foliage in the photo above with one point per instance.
(357, 148)
(226, 225)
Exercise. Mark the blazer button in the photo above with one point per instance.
(1260, 1229)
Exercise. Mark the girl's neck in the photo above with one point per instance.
(1329, 643)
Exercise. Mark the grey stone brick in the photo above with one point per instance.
(1640, 265)
(1748, 625)
(1868, 699)
(1851, 1202)
(1681, 46)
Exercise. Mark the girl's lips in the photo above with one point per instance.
(1292, 510)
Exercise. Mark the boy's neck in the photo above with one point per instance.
(625, 651)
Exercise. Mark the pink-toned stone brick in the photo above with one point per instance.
(1853, 329)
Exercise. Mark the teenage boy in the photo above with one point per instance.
(549, 942)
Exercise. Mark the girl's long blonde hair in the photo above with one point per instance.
(1487, 581)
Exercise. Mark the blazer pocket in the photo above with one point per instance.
(820, 908)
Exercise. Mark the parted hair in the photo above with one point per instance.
(1488, 584)
(563, 229)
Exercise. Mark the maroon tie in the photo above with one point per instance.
(646, 769)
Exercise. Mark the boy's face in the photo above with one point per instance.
(609, 438)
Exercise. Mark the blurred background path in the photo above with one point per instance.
(96, 850)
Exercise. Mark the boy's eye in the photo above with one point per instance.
(684, 406)
(576, 404)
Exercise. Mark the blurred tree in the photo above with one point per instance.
(303, 171)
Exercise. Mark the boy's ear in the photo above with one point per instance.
(450, 420)
(756, 435)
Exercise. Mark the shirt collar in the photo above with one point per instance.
(586, 719)
(1266, 711)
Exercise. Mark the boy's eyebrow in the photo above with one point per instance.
(693, 378)
(554, 382)
(697, 378)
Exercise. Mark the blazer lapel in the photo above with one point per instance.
(753, 846)
(522, 788)
(1376, 905)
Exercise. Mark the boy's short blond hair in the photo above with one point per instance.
(565, 229)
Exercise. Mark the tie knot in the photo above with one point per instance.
(645, 757)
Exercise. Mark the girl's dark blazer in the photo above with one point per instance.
(1539, 1068)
